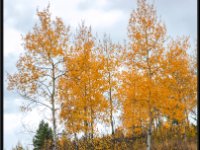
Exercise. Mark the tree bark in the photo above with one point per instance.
(85, 121)
(149, 132)
(53, 110)
(111, 106)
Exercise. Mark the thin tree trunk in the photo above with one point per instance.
(86, 124)
(85, 121)
(54, 128)
(76, 141)
(111, 105)
(111, 112)
(149, 132)
(53, 111)
(92, 124)
(186, 126)
(110, 92)
(91, 111)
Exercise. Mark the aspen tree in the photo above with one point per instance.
(83, 101)
(181, 83)
(146, 34)
(41, 66)
(111, 53)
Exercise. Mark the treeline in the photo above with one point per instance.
(84, 81)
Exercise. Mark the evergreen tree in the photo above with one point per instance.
(44, 136)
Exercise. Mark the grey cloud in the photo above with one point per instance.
(11, 101)
(117, 33)
(124, 5)
(10, 63)
(9, 96)
(19, 16)
(180, 16)
(10, 104)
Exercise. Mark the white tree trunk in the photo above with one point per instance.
(53, 109)
(149, 138)
(149, 132)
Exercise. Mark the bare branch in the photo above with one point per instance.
(34, 101)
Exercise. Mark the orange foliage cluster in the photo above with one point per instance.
(151, 81)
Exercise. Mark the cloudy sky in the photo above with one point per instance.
(110, 16)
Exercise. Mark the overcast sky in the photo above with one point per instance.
(110, 16)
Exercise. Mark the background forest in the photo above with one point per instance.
(144, 91)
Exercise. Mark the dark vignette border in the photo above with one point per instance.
(1, 73)
(198, 147)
